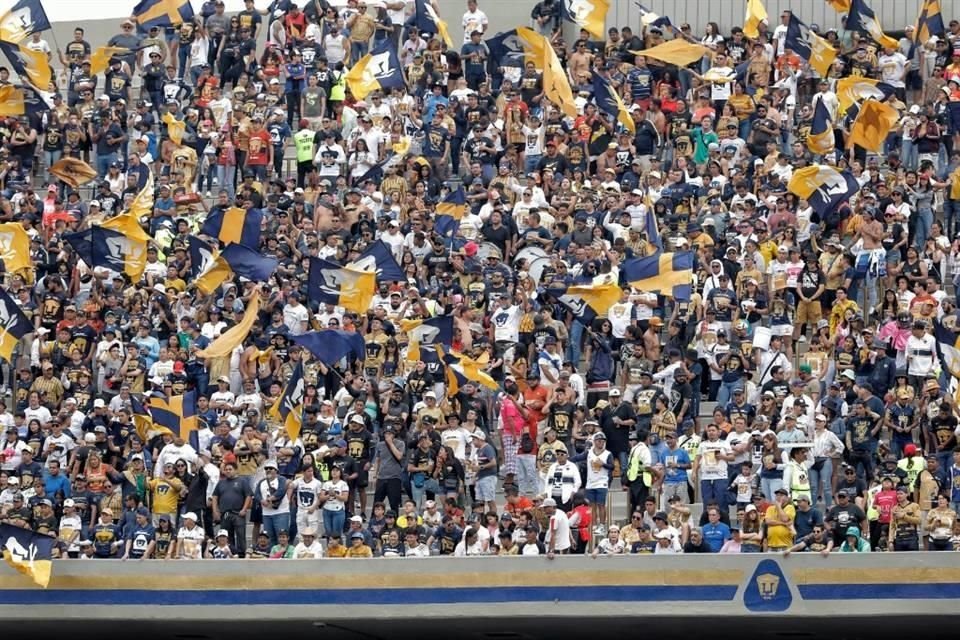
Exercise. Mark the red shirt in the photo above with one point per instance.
(884, 503)
(259, 149)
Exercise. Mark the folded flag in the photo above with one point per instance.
(288, 408)
(756, 13)
(426, 19)
(609, 102)
(461, 369)
(175, 128)
(235, 335)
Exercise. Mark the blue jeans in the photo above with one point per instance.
(273, 525)
(714, 491)
(530, 162)
(908, 154)
(104, 162)
(769, 486)
(924, 220)
(576, 341)
(726, 392)
(820, 483)
(183, 52)
(333, 521)
(950, 210)
(358, 50)
(225, 178)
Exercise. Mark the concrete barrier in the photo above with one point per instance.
(728, 586)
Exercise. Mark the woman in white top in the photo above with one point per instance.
(189, 542)
(612, 544)
(469, 545)
(334, 493)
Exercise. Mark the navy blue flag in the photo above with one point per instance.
(24, 17)
(503, 46)
(201, 256)
(331, 345)
(250, 264)
(379, 258)
(35, 102)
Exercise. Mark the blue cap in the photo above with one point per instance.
(143, 511)
(341, 443)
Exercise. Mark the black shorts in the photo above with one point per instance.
(256, 514)
(363, 480)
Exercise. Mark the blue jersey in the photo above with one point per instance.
(677, 457)
(141, 538)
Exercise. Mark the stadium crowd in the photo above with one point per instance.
(814, 327)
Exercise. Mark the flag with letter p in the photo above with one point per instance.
(587, 14)
(824, 187)
(28, 552)
(111, 249)
(378, 70)
(73, 171)
(347, 287)
(22, 19)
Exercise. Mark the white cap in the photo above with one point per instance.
(99, 403)
(222, 532)
(356, 519)
(429, 394)
(190, 515)
(70, 401)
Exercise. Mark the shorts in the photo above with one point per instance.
(363, 480)
(596, 496)
(486, 489)
(809, 312)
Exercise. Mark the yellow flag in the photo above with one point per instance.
(361, 79)
(208, 281)
(841, 6)
(853, 88)
(715, 75)
(756, 13)
(235, 335)
(142, 206)
(356, 289)
(600, 297)
(677, 52)
(822, 54)
(175, 128)
(73, 171)
(127, 224)
(11, 101)
(100, 59)
(873, 123)
(38, 68)
(588, 14)
(14, 247)
(556, 86)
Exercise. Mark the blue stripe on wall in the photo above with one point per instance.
(943, 591)
(454, 595)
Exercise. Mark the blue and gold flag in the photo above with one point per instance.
(378, 257)
(587, 14)
(588, 301)
(852, 89)
(820, 140)
(201, 254)
(817, 51)
(862, 18)
(22, 19)
(874, 123)
(14, 325)
(379, 70)
(609, 102)
(454, 205)
(111, 249)
(332, 345)
(668, 274)
(756, 13)
(142, 420)
(948, 344)
(929, 22)
(31, 66)
(162, 13)
(347, 287)
(236, 259)
(461, 369)
(824, 187)
(28, 552)
(176, 414)
(288, 408)
(429, 332)
(425, 18)
(650, 19)
(235, 225)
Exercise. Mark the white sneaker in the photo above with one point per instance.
(801, 339)
(209, 195)
(600, 530)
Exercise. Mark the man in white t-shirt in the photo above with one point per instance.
(714, 455)
(473, 20)
(557, 536)
(295, 315)
(921, 354)
(893, 67)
